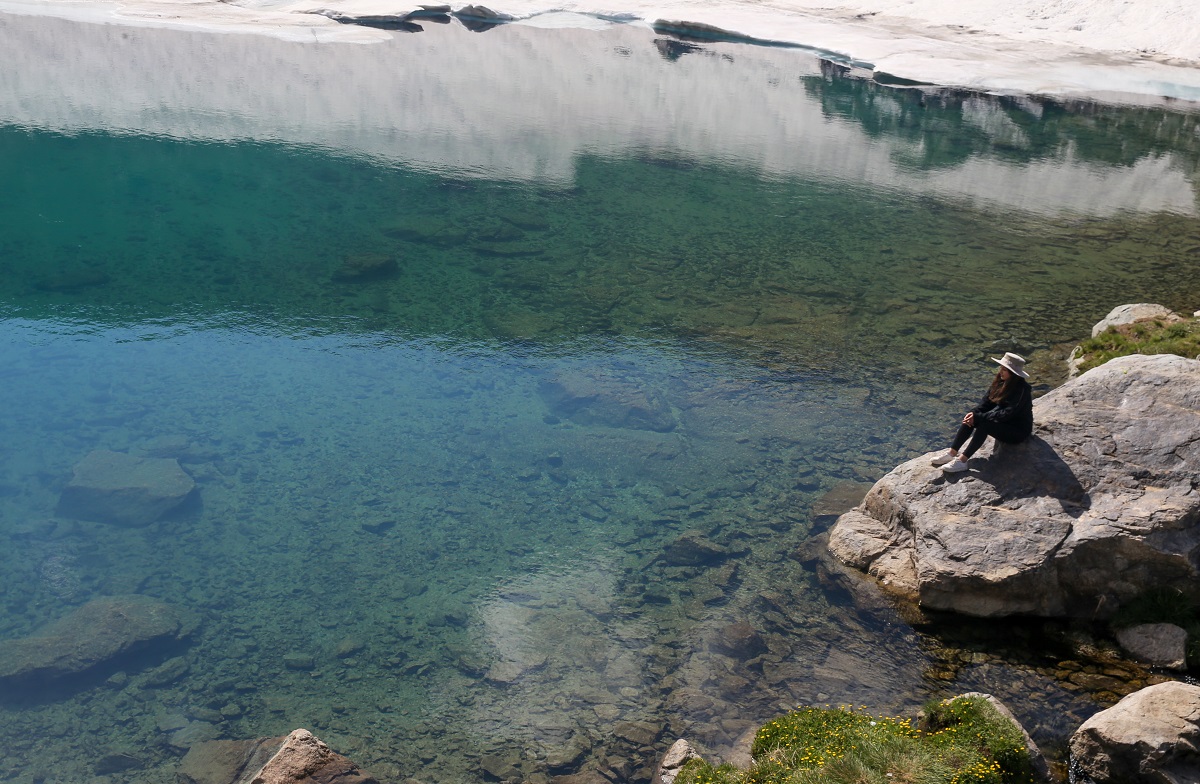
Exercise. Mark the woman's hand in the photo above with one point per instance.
(969, 419)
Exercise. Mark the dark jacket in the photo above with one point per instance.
(1011, 419)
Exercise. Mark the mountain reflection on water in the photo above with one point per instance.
(504, 106)
(519, 374)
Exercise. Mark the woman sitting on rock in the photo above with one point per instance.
(1005, 413)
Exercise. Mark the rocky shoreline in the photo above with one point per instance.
(1097, 509)
(1146, 738)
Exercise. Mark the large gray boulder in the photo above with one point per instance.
(1127, 314)
(114, 487)
(1150, 737)
(1156, 644)
(1100, 505)
(102, 632)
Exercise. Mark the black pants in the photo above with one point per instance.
(1001, 431)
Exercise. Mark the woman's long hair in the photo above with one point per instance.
(1000, 388)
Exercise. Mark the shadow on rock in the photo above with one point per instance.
(1030, 469)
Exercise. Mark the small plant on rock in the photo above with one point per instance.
(972, 725)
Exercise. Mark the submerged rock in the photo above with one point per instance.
(168, 672)
(507, 671)
(72, 280)
(586, 777)
(364, 268)
(1158, 644)
(693, 548)
(508, 249)
(1099, 506)
(291, 759)
(1149, 736)
(113, 487)
(739, 640)
(500, 767)
(101, 632)
(117, 762)
(607, 399)
(192, 733)
(225, 761)
(526, 219)
(840, 498)
(566, 758)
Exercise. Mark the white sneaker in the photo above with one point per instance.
(943, 458)
(955, 465)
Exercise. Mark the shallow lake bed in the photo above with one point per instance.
(372, 318)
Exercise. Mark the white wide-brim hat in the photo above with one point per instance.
(1014, 362)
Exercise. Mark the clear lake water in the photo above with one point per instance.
(353, 332)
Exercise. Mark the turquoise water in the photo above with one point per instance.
(367, 365)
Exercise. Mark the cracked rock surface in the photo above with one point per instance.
(1099, 505)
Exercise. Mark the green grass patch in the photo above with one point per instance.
(960, 741)
(1149, 336)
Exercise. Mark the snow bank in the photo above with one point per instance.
(1124, 51)
(1132, 51)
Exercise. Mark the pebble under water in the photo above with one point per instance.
(514, 437)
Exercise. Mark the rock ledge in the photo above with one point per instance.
(1100, 505)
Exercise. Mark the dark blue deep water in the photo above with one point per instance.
(461, 334)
